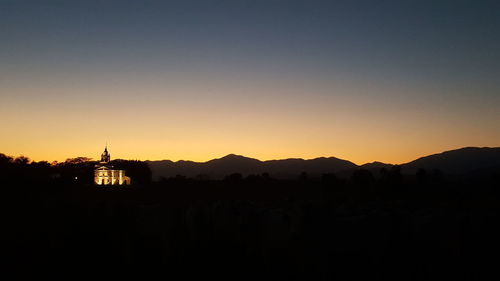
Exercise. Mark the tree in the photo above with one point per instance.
(22, 160)
(78, 160)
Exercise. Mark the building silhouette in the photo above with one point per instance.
(104, 173)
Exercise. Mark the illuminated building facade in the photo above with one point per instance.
(105, 175)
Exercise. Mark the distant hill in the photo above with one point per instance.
(459, 161)
(218, 168)
(376, 165)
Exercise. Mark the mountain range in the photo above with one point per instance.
(455, 162)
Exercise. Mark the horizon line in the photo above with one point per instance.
(260, 160)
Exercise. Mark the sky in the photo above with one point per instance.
(365, 81)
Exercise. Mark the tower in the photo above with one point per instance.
(105, 156)
(104, 173)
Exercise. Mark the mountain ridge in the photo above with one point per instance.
(457, 161)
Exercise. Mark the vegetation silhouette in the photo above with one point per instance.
(380, 224)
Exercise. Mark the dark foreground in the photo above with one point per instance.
(260, 229)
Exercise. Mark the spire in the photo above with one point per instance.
(105, 157)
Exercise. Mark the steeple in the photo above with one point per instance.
(105, 157)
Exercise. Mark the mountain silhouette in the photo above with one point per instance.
(376, 165)
(229, 164)
(290, 168)
(234, 163)
(459, 161)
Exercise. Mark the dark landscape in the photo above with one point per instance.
(435, 218)
(249, 140)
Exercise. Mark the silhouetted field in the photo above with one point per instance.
(273, 230)
(393, 227)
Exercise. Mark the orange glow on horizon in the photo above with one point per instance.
(197, 81)
(282, 122)
(120, 152)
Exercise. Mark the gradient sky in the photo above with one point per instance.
(360, 80)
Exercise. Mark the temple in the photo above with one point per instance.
(105, 174)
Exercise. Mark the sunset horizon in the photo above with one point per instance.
(96, 157)
(250, 139)
(196, 80)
